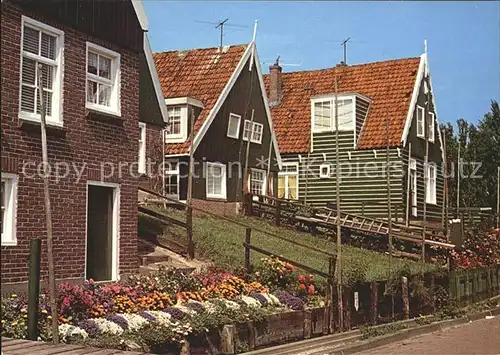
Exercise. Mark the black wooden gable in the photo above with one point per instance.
(110, 20)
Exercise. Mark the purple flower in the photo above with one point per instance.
(122, 322)
(259, 297)
(90, 327)
(293, 302)
(195, 306)
(176, 313)
(147, 316)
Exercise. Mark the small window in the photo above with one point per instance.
(216, 180)
(288, 179)
(324, 171)
(142, 148)
(430, 131)
(258, 182)
(9, 203)
(431, 176)
(172, 179)
(420, 122)
(253, 130)
(103, 79)
(176, 131)
(40, 45)
(233, 127)
(324, 115)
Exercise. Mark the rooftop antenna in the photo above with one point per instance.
(425, 45)
(277, 62)
(253, 44)
(344, 44)
(220, 25)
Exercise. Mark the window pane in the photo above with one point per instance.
(31, 39)
(292, 187)
(104, 67)
(257, 132)
(257, 179)
(322, 115)
(47, 100)
(47, 76)
(281, 186)
(27, 99)
(104, 95)
(48, 47)
(232, 128)
(91, 91)
(29, 71)
(246, 130)
(345, 115)
(92, 63)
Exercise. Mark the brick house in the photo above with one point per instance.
(91, 53)
(219, 88)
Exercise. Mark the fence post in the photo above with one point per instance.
(331, 272)
(189, 231)
(278, 213)
(433, 293)
(347, 294)
(374, 299)
(406, 301)
(249, 201)
(34, 288)
(248, 234)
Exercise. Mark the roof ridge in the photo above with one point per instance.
(348, 66)
(200, 49)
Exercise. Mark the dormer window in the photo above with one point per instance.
(177, 124)
(324, 114)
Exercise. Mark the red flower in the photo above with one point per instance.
(302, 286)
(311, 290)
(302, 278)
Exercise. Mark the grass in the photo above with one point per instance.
(221, 242)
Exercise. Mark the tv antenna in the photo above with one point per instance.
(344, 44)
(220, 25)
(277, 62)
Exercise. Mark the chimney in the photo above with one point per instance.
(341, 64)
(275, 84)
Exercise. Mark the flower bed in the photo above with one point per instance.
(156, 313)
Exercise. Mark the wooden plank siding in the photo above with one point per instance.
(366, 180)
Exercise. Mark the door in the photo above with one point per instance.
(413, 187)
(100, 261)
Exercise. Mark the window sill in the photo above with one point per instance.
(175, 139)
(431, 203)
(217, 198)
(9, 244)
(34, 125)
(97, 114)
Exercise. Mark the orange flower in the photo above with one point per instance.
(302, 286)
(302, 278)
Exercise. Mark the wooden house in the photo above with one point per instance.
(217, 106)
(382, 104)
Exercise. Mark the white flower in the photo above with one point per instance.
(250, 301)
(209, 307)
(232, 305)
(134, 321)
(274, 299)
(108, 327)
(185, 309)
(162, 317)
(67, 331)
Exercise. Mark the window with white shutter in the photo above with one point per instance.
(420, 122)
(233, 127)
(41, 45)
(103, 79)
(216, 180)
(142, 148)
(9, 203)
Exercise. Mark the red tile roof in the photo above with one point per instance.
(388, 84)
(198, 73)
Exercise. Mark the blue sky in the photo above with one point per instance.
(463, 39)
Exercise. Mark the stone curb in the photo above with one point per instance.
(412, 332)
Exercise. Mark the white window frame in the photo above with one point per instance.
(115, 81)
(331, 128)
(254, 127)
(286, 175)
(264, 181)
(431, 197)
(321, 174)
(182, 136)
(414, 199)
(420, 122)
(233, 116)
(430, 125)
(173, 171)
(56, 118)
(223, 194)
(142, 148)
(9, 237)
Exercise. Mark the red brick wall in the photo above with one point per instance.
(152, 180)
(83, 141)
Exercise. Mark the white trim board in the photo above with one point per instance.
(423, 69)
(115, 254)
(148, 53)
(225, 92)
